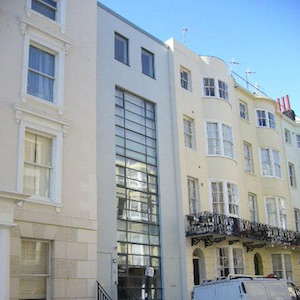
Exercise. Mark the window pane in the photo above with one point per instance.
(147, 63)
(41, 74)
(121, 49)
(45, 7)
(37, 164)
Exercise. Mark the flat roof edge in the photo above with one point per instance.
(132, 24)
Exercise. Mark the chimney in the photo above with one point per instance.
(278, 104)
(287, 108)
(283, 103)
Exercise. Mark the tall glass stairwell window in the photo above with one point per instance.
(137, 196)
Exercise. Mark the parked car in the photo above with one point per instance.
(244, 287)
(294, 291)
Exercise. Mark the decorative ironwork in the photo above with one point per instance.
(208, 240)
(208, 223)
(231, 242)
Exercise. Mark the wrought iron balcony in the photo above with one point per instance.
(213, 228)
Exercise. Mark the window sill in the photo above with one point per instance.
(41, 200)
(222, 156)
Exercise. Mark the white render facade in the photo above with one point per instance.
(48, 188)
(120, 152)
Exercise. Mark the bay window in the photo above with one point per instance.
(220, 139)
(229, 261)
(265, 119)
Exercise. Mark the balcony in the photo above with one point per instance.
(214, 228)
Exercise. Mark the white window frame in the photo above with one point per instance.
(48, 274)
(58, 89)
(253, 208)
(292, 175)
(193, 195)
(265, 119)
(60, 18)
(229, 262)
(209, 89)
(244, 111)
(287, 274)
(279, 214)
(219, 142)
(185, 78)
(271, 167)
(39, 168)
(297, 218)
(298, 140)
(224, 197)
(223, 89)
(287, 136)
(150, 63)
(125, 50)
(248, 157)
(189, 135)
(57, 144)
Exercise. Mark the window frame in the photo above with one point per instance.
(244, 110)
(42, 75)
(253, 208)
(298, 140)
(57, 146)
(150, 65)
(265, 119)
(60, 17)
(227, 196)
(274, 163)
(193, 195)
(58, 88)
(297, 218)
(42, 3)
(223, 90)
(125, 48)
(284, 270)
(209, 89)
(28, 164)
(280, 212)
(47, 275)
(185, 81)
(189, 135)
(292, 175)
(230, 261)
(287, 136)
(248, 157)
(220, 142)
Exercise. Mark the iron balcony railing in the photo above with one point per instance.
(212, 227)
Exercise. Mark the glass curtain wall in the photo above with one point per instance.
(137, 196)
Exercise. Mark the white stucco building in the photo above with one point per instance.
(48, 188)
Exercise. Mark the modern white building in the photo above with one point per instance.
(139, 217)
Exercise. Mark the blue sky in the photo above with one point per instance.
(262, 35)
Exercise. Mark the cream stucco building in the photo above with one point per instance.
(122, 154)
(48, 188)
